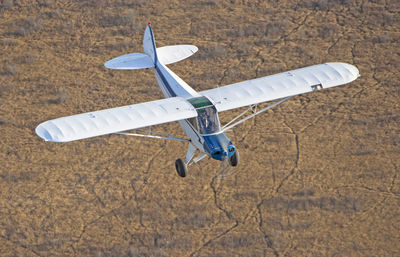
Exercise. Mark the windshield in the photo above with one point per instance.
(208, 119)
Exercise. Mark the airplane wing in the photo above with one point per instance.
(114, 120)
(281, 85)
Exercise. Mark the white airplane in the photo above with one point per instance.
(196, 112)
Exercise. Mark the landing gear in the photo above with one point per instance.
(234, 159)
(181, 167)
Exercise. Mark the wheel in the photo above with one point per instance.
(234, 159)
(181, 168)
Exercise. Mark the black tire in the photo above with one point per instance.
(181, 168)
(234, 159)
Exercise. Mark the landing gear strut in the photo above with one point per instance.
(234, 159)
(181, 168)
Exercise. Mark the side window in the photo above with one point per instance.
(193, 121)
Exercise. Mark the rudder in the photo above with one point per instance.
(149, 45)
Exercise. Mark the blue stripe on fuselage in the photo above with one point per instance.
(171, 92)
(158, 71)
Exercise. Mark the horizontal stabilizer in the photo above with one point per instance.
(133, 61)
(170, 54)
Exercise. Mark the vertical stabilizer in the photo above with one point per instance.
(149, 45)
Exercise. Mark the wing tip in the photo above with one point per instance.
(45, 134)
(353, 70)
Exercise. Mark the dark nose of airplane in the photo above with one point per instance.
(218, 154)
(219, 146)
(222, 154)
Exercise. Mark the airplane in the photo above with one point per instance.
(196, 112)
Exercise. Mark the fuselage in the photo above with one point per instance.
(204, 131)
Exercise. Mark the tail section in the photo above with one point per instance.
(149, 44)
(164, 55)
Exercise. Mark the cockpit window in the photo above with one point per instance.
(207, 115)
(208, 119)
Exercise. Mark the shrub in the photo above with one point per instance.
(127, 19)
(27, 26)
(212, 52)
(9, 69)
(45, 2)
(327, 30)
(6, 4)
(61, 97)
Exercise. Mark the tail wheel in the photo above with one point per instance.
(181, 168)
(234, 159)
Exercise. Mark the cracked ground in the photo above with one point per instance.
(318, 174)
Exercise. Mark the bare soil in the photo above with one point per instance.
(319, 174)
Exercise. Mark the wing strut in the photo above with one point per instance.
(157, 135)
(228, 126)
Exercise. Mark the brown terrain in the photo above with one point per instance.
(319, 174)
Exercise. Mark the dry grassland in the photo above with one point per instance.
(319, 174)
